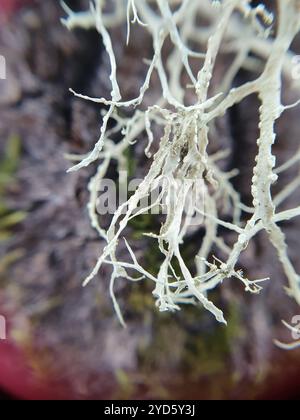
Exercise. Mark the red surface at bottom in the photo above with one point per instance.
(18, 378)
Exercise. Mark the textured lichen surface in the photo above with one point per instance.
(186, 111)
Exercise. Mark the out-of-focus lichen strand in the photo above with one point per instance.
(182, 152)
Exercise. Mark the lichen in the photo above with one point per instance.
(186, 113)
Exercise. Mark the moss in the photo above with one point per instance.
(199, 354)
(153, 259)
(236, 327)
(209, 352)
(144, 223)
(131, 161)
(164, 350)
(8, 217)
(140, 300)
(10, 163)
(8, 167)
(206, 353)
(12, 219)
(9, 259)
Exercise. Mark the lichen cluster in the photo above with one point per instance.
(185, 114)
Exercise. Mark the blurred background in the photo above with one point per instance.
(63, 341)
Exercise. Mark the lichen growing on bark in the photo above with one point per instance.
(187, 37)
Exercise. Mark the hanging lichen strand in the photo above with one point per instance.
(181, 154)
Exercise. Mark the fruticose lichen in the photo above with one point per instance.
(181, 153)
